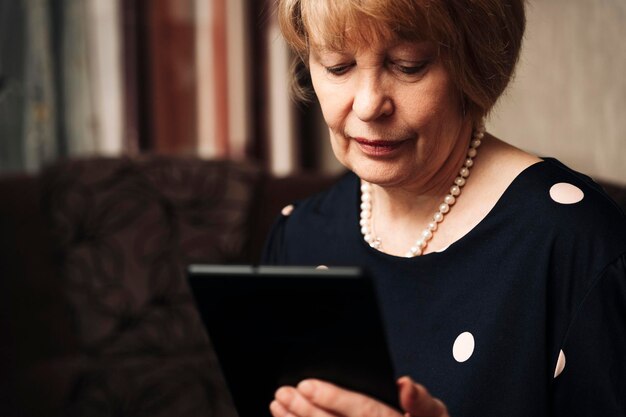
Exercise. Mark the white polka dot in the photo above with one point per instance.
(565, 193)
(463, 347)
(321, 267)
(560, 364)
(286, 211)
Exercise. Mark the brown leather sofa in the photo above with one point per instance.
(96, 318)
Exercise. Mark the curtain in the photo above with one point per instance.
(179, 77)
(61, 81)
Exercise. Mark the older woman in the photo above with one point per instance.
(503, 291)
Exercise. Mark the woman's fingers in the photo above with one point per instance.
(315, 398)
(339, 401)
(417, 401)
(278, 410)
(291, 403)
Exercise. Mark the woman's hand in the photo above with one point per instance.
(315, 398)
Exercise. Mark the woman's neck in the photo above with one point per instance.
(401, 212)
(410, 200)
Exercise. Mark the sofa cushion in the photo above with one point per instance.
(124, 230)
(121, 232)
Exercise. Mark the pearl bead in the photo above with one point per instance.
(421, 243)
(472, 152)
(432, 226)
(366, 214)
(475, 143)
(365, 197)
(365, 230)
(460, 181)
(365, 188)
(366, 205)
(438, 217)
(468, 162)
(455, 190)
(464, 172)
(414, 251)
(444, 208)
(479, 135)
(368, 238)
(363, 222)
(449, 200)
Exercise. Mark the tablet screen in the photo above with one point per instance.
(273, 326)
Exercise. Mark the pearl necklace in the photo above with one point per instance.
(427, 234)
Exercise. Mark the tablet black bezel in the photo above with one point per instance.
(276, 325)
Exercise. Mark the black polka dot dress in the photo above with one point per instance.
(523, 316)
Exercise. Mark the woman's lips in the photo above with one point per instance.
(378, 147)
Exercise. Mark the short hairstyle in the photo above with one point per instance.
(479, 40)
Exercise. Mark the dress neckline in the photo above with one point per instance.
(496, 208)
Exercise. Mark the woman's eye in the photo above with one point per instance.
(338, 69)
(411, 69)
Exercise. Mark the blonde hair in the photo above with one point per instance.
(479, 40)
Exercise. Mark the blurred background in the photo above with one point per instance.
(95, 315)
(210, 78)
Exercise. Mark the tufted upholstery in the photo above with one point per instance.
(94, 296)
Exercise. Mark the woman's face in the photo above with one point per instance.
(392, 110)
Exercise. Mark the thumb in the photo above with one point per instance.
(416, 401)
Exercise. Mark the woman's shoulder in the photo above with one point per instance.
(567, 208)
(329, 208)
(546, 198)
(568, 194)
(547, 184)
(307, 225)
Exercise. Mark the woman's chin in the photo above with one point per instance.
(381, 170)
(379, 174)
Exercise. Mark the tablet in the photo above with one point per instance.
(274, 326)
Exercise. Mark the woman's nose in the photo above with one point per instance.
(371, 101)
